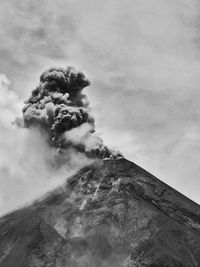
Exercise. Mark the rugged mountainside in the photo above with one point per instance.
(111, 213)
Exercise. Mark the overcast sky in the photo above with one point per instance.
(143, 60)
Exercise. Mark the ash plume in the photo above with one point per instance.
(58, 107)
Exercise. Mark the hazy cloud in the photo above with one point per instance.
(26, 160)
(143, 60)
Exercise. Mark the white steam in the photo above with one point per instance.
(84, 135)
(26, 160)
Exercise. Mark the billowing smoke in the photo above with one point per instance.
(61, 111)
(28, 166)
(55, 139)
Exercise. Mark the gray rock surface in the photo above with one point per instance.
(111, 213)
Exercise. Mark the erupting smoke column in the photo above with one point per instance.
(61, 111)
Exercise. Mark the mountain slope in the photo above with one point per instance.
(111, 213)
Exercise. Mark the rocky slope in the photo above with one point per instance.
(111, 213)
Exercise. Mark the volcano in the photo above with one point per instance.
(111, 213)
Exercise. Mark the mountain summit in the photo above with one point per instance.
(111, 213)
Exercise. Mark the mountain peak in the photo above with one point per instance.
(111, 213)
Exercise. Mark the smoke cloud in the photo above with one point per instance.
(61, 111)
(27, 163)
(53, 139)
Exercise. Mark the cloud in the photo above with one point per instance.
(58, 108)
(26, 161)
(143, 60)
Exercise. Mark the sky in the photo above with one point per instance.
(143, 60)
